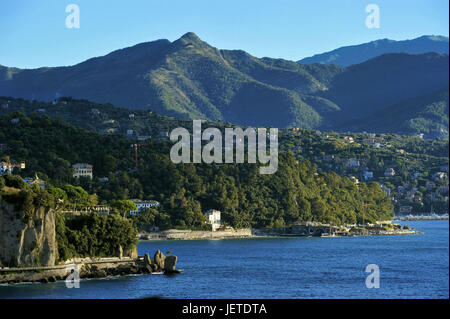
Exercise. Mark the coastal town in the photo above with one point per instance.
(128, 189)
(412, 188)
(218, 230)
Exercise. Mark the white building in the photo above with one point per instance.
(349, 139)
(7, 168)
(389, 172)
(213, 218)
(440, 175)
(142, 204)
(82, 170)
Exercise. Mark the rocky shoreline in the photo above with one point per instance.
(173, 234)
(92, 268)
(421, 217)
(309, 229)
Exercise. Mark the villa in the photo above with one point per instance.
(142, 204)
(82, 170)
(213, 218)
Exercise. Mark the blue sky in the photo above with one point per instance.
(34, 34)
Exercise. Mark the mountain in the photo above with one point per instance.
(190, 79)
(379, 83)
(424, 114)
(355, 54)
(186, 78)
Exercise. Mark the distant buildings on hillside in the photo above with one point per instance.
(82, 170)
(6, 167)
(389, 172)
(143, 204)
(36, 180)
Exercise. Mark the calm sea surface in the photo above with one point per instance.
(411, 266)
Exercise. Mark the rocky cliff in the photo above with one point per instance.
(25, 241)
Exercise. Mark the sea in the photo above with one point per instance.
(405, 266)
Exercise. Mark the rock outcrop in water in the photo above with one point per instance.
(160, 263)
(27, 240)
(91, 268)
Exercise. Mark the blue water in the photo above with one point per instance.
(411, 266)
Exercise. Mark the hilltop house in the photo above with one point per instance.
(440, 175)
(349, 139)
(213, 218)
(7, 167)
(142, 204)
(36, 180)
(111, 130)
(377, 145)
(354, 180)
(352, 163)
(82, 170)
(389, 172)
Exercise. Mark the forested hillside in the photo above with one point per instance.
(296, 192)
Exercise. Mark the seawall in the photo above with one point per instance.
(173, 234)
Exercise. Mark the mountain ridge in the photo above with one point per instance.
(355, 54)
(190, 79)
